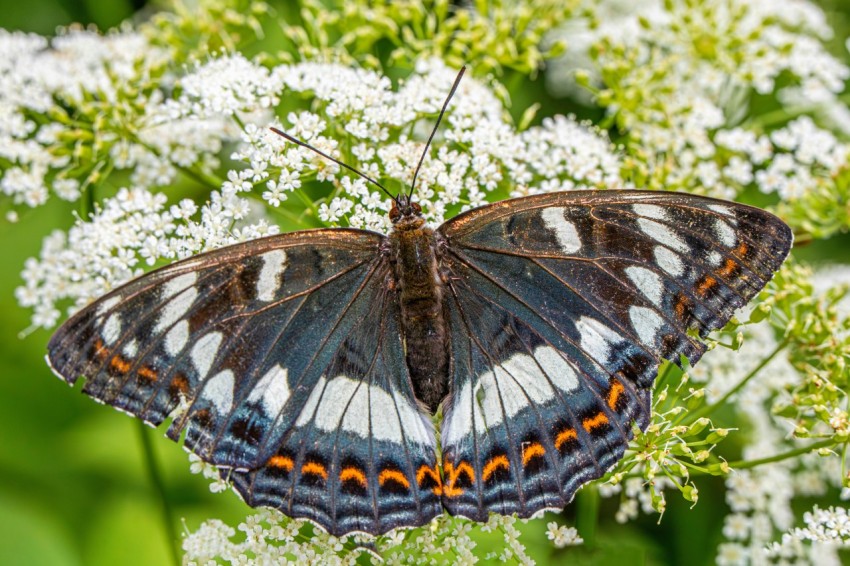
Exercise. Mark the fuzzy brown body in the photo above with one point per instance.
(413, 248)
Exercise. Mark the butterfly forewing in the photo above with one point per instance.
(562, 307)
(275, 359)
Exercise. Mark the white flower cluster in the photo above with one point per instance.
(478, 152)
(562, 536)
(209, 471)
(268, 537)
(264, 540)
(85, 104)
(750, 42)
(826, 531)
(224, 86)
(826, 525)
(791, 161)
(761, 499)
(682, 75)
(635, 496)
(134, 226)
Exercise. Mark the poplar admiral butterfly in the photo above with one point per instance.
(306, 365)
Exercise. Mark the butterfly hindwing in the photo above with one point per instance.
(237, 346)
(351, 456)
(562, 307)
(530, 422)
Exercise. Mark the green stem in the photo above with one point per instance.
(779, 116)
(587, 514)
(309, 204)
(239, 122)
(743, 464)
(87, 203)
(708, 409)
(201, 177)
(295, 219)
(698, 469)
(159, 487)
(844, 448)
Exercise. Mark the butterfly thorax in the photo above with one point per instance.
(413, 249)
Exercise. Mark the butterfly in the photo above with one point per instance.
(307, 365)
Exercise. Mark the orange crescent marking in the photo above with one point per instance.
(742, 249)
(393, 475)
(314, 468)
(283, 462)
(494, 464)
(432, 473)
(597, 421)
(728, 268)
(452, 473)
(565, 436)
(352, 473)
(119, 365)
(533, 450)
(100, 351)
(681, 305)
(707, 283)
(148, 373)
(179, 384)
(617, 389)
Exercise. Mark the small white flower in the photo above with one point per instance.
(732, 554)
(275, 193)
(333, 212)
(562, 536)
(739, 170)
(736, 526)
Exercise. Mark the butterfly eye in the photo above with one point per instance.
(416, 208)
(394, 214)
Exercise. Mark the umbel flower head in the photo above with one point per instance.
(357, 116)
(720, 97)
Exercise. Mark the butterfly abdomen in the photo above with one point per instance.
(421, 299)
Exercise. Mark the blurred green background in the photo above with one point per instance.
(74, 486)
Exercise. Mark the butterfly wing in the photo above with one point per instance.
(280, 361)
(562, 307)
(360, 456)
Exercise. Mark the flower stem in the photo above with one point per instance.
(780, 116)
(202, 178)
(844, 448)
(708, 409)
(742, 464)
(238, 121)
(206, 179)
(159, 487)
(587, 514)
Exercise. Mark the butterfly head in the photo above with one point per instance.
(406, 214)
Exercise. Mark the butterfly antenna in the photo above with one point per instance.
(337, 161)
(437, 125)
